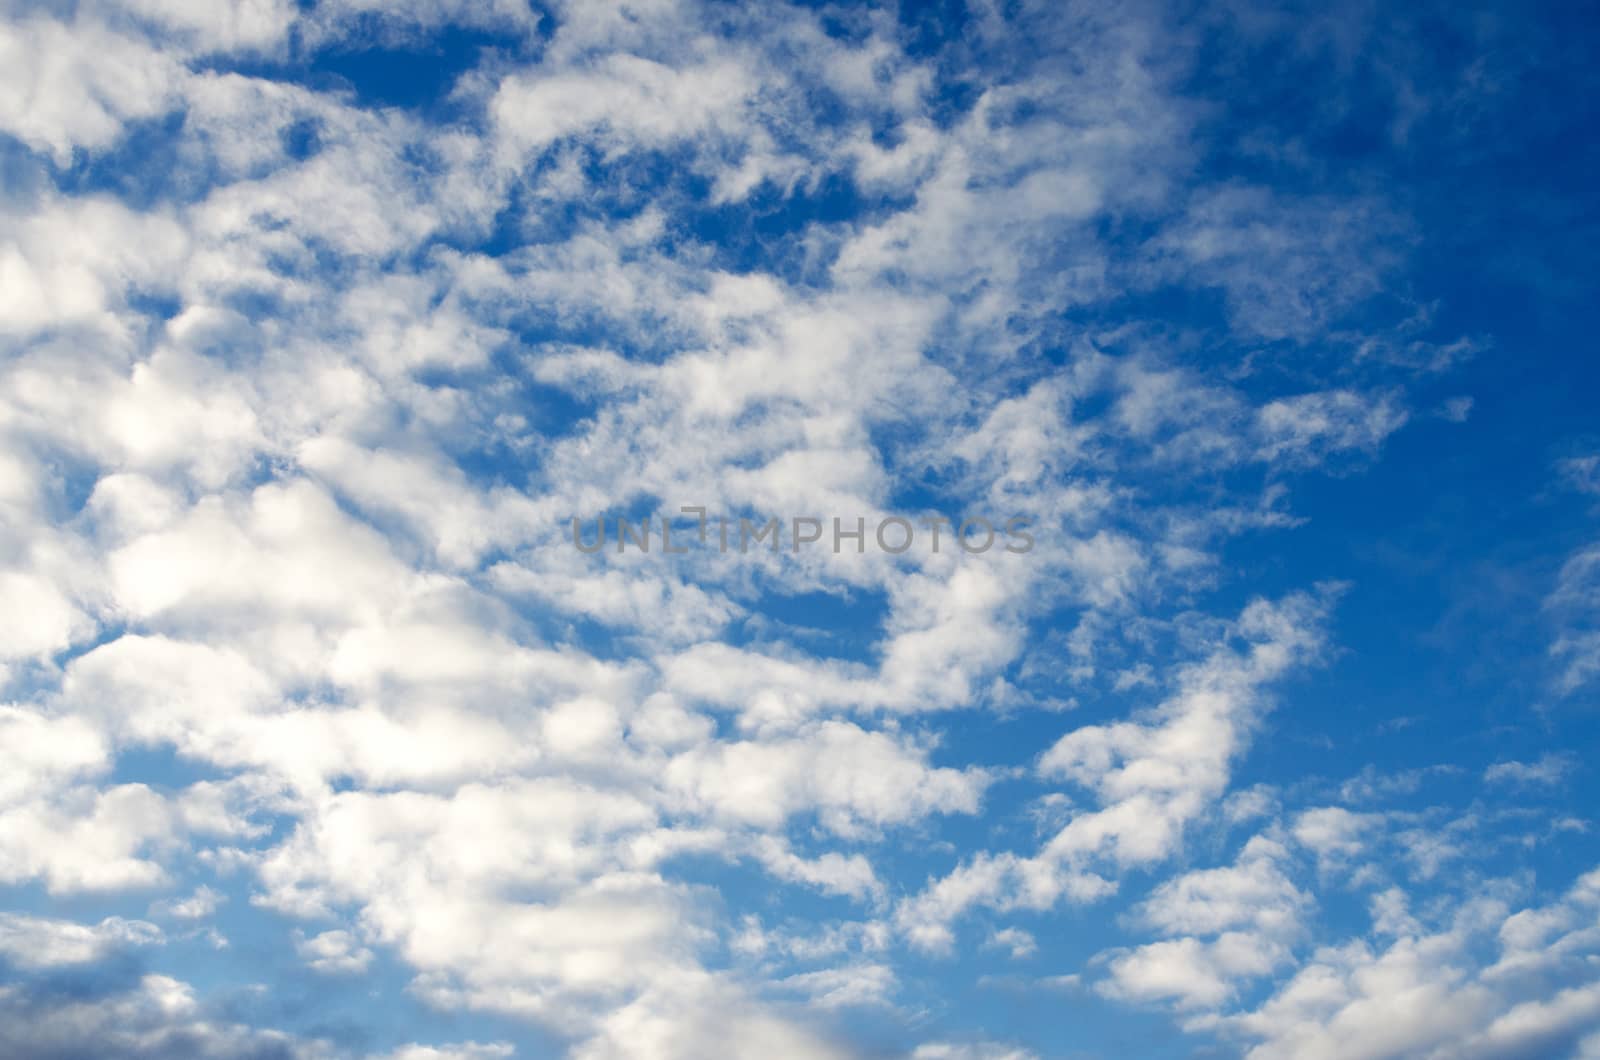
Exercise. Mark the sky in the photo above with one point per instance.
(1261, 334)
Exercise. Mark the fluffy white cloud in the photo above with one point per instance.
(1575, 601)
(334, 953)
(850, 777)
(1426, 995)
(969, 1051)
(225, 26)
(157, 1016)
(1229, 925)
(40, 752)
(467, 1051)
(1550, 769)
(87, 839)
(70, 86)
(1151, 778)
(37, 942)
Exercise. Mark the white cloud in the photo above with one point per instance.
(1575, 601)
(633, 100)
(69, 262)
(38, 942)
(1154, 775)
(1015, 941)
(1550, 769)
(85, 839)
(1254, 892)
(154, 1018)
(697, 1016)
(1582, 473)
(969, 1051)
(227, 25)
(1333, 833)
(70, 86)
(1250, 910)
(852, 778)
(198, 906)
(41, 752)
(849, 986)
(1151, 777)
(1287, 267)
(1311, 426)
(334, 953)
(1425, 995)
(833, 873)
(464, 1051)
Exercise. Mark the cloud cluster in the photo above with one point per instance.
(301, 388)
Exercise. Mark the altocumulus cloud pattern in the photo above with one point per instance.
(1268, 327)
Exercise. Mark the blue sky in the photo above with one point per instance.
(320, 322)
